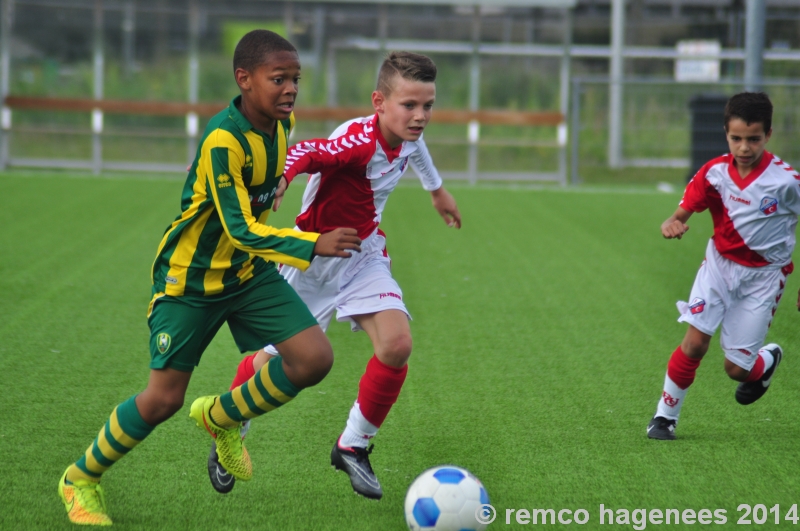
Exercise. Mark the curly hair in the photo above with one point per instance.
(255, 48)
(750, 107)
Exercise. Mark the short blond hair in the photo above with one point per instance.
(408, 65)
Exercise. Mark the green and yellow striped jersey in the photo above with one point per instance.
(212, 246)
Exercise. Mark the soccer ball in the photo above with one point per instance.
(447, 498)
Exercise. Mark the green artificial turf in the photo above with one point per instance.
(541, 332)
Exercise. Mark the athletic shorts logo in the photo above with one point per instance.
(769, 205)
(390, 294)
(669, 400)
(745, 352)
(163, 342)
(697, 306)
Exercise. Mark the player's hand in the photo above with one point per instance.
(445, 205)
(673, 228)
(338, 242)
(279, 191)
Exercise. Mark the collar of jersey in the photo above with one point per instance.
(237, 116)
(404, 149)
(754, 174)
(391, 154)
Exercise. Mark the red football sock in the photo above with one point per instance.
(378, 390)
(757, 371)
(244, 372)
(681, 368)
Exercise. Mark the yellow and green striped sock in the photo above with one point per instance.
(123, 430)
(268, 389)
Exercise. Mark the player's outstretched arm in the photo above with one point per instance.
(445, 205)
(443, 202)
(313, 156)
(424, 167)
(338, 242)
(221, 167)
(279, 191)
(675, 226)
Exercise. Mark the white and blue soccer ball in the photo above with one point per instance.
(447, 498)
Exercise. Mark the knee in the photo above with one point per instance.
(173, 403)
(316, 367)
(323, 364)
(694, 347)
(735, 372)
(156, 409)
(396, 350)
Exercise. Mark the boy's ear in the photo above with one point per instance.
(242, 77)
(768, 135)
(378, 101)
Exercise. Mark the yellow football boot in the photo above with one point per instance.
(85, 502)
(230, 451)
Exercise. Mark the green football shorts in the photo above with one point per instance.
(264, 311)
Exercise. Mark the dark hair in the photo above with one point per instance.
(751, 108)
(255, 48)
(408, 65)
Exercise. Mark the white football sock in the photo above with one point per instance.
(769, 359)
(671, 402)
(358, 431)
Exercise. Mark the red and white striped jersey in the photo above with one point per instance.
(353, 173)
(755, 217)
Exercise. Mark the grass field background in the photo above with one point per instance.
(541, 331)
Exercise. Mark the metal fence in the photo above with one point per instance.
(172, 52)
(517, 60)
(656, 125)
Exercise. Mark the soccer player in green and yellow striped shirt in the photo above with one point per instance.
(216, 264)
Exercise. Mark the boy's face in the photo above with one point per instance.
(747, 142)
(406, 111)
(269, 91)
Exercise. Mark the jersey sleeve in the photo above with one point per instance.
(791, 197)
(314, 156)
(221, 162)
(423, 165)
(695, 198)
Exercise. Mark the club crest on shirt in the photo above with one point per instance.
(697, 306)
(163, 342)
(769, 205)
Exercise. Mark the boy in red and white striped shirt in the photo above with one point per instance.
(754, 200)
(352, 174)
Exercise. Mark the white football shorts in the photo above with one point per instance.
(357, 285)
(742, 299)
